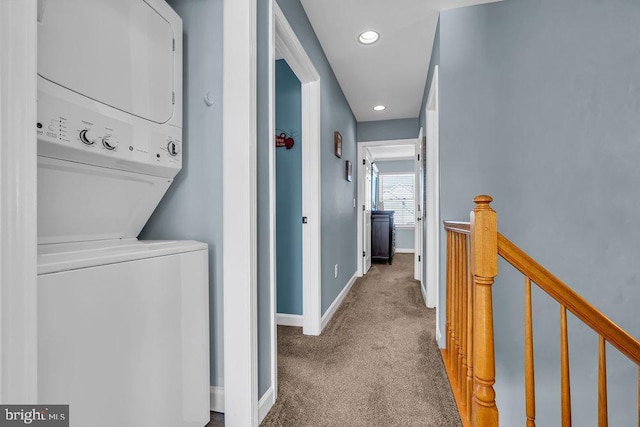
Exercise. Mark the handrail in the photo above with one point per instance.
(458, 227)
(566, 296)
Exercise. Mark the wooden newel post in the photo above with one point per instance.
(484, 267)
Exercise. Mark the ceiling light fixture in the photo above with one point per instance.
(379, 107)
(368, 37)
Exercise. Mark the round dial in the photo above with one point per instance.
(173, 148)
(109, 142)
(88, 137)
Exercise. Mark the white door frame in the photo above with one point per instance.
(360, 223)
(419, 212)
(432, 208)
(293, 52)
(18, 215)
(239, 212)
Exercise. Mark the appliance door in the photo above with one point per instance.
(127, 344)
(117, 52)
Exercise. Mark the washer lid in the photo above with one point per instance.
(60, 257)
(117, 52)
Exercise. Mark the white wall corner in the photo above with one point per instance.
(284, 319)
(335, 305)
(266, 403)
(424, 296)
(216, 399)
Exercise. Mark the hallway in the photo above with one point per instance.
(376, 363)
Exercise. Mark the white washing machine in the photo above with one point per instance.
(123, 324)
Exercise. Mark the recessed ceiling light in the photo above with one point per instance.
(379, 107)
(368, 37)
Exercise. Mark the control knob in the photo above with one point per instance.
(88, 137)
(173, 148)
(109, 142)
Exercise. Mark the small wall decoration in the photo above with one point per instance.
(349, 170)
(284, 140)
(337, 139)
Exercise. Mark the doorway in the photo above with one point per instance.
(386, 171)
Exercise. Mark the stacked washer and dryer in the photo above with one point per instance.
(123, 324)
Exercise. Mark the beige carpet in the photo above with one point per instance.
(376, 363)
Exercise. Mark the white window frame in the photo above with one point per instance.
(381, 176)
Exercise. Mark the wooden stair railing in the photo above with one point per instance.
(472, 265)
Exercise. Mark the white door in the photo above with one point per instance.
(419, 183)
(366, 213)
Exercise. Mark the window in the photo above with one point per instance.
(397, 194)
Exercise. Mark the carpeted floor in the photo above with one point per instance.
(376, 363)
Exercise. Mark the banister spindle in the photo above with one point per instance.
(564, 369)
(603, 419)
(463, 322)
(447, 330)
(453, 350)
(469, 373)
(459, 336)
(484, 262)
(529, 377)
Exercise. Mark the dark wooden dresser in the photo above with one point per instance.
(383, 236)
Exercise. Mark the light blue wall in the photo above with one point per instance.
(539, 108)
(387, 130)
(289, 191)
(405, 236)
(338, 213)
(192, 208)
(395, 166)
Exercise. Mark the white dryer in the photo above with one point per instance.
(123, 324)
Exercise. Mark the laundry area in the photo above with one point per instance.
(123, 324)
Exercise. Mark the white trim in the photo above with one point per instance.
(418, 259)
(216, 399)
(273, 276)
(405, 251)
(293, 52)
(239, 205)
(18, 186)
(335, 305)
(408, 141)
(392, 159)
(424, 298)
(285, 319)
(432, 208)
(266, 403)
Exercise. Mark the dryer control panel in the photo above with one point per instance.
(91, 133)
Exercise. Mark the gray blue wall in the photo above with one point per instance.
(388, 130)
(288, 94)
(192, 207)
(338, 213)
(539, 108)
(405, 236)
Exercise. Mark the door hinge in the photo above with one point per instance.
(173, 97)
(419, 258)
(364, 254)
(173, 45)
(364, 162)
(418, 157)
(364, 208)
(304, 219)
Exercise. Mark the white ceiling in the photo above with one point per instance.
(392, 71)
(392, 152)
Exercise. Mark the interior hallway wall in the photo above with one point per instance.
(192, 207)
(289, 191)
(388, 130)
(539, 108)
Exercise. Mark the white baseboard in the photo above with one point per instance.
(326, 317)
(216, 399)
(266, 403)
(424, 295)
(404, 251)
(289, 319)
